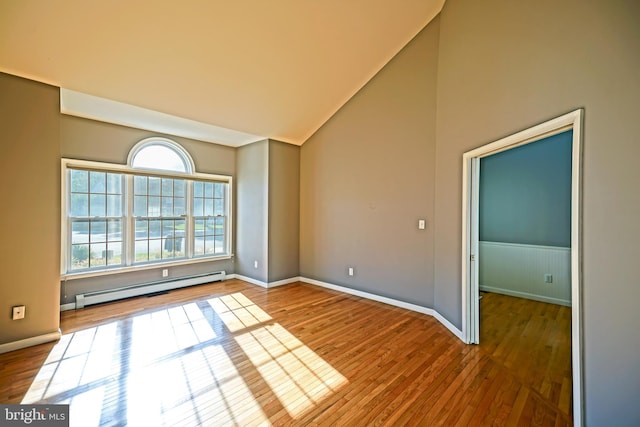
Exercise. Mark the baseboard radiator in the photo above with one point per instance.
(97, 297)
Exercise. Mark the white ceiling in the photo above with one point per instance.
(260, 68)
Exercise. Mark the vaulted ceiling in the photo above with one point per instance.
(268, 68)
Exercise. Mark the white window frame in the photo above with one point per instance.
(163, 142)
(129, 240)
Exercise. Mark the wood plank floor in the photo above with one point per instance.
(533, 341)
(232, 353)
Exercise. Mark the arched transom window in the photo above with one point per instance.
(160, 154)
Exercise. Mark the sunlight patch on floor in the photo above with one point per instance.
(238, 312)
(216, 362)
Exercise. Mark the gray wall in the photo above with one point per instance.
(92, 140)
(30, 213)
(525, 194)
(366, 178)
(252, 210)
(103, 142)
(268, 210)
(284, 211)
(388, 157)
(502, 66)
(507, 65)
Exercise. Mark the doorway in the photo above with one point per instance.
(470, 234)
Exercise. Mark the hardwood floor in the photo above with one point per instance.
(533, 341)
(232, 353)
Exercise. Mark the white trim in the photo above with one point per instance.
(248, 279)
(570, 121)
(535, 133)
(64, 208)
(467, 333)
(396, 303)
(229, 207)
(164, 142)
(367, 295)
(106, 110)
(576, 268)
(116, 167)
(474, 318)
(526, 295)
(264, 284)
(66, 164)
(450, 326)
(29, 342)
(283, 282)
(67, 307)
(386, 300)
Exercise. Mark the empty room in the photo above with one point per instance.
(277, 213)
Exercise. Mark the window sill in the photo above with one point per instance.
(132, 268)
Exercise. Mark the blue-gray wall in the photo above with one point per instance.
(525, 194)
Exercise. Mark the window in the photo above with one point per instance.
(155, 210)
(209, 219)
(160, 154)
(159, 218)
(96, 217)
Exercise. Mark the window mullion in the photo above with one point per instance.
(190, 222)
(227, 221)
(69, 248)
(130, 221)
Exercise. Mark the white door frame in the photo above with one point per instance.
(470, 186)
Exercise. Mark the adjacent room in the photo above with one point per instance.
(257, 213)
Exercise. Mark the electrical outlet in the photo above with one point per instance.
(165, 272)
(350, 271)
(422, 224)
(255, 264)
(548, 278)
(18, 312)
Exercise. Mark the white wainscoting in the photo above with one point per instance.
(519, 270)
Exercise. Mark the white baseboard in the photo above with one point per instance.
(28, 342)
(455, 331)
(261, 283)
(283, 282)
(525, 295)
(396, 303)
(406, 305)
(69, 306)
(248, 279)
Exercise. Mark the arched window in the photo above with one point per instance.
(160, 154)
(156, 209)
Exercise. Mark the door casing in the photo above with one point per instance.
(470, 224)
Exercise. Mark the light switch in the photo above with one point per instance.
(422, 224)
